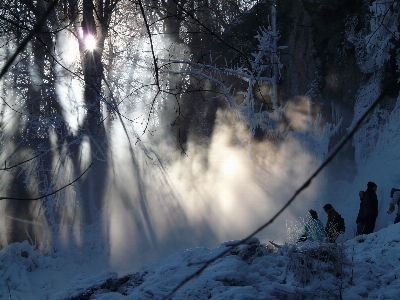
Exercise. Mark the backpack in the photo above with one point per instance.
(341, 228)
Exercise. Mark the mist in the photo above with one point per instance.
(159, 201)
(160, 193)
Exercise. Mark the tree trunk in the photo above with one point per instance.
(92, 185)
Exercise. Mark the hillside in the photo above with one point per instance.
(211, 158)
(365, 267)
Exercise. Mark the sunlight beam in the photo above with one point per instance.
(90, 42)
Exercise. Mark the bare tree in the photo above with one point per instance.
(89, 65)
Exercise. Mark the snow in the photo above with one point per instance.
(252, 271)
(368, 270)
(362, 267)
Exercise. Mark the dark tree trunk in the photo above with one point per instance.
(95, 22)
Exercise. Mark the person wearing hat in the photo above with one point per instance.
(395, 195)
(332, 227)
(313, 229)
(369, 208)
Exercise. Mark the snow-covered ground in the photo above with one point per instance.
(365, 267)
(368, 270)
(228, 199)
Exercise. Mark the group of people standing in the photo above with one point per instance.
(366, 218)
(314, 231)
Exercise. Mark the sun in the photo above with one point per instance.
(90, 42)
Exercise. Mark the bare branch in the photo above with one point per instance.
(35, 30)
(47, 195)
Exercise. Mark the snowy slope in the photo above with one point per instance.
(227, 199)
(369, 270)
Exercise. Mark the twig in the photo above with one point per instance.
(35, 30)
(52, 193)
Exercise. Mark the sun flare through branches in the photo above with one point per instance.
(90, 42)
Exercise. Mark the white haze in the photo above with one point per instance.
(203, 206)
(158, 201)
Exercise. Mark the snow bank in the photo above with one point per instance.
(369, 269)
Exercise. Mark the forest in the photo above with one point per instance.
(142, 127)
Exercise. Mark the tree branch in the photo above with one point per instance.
(52, 193)
(35, 30)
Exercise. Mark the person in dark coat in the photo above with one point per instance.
(359, 221)
(332, 224)
(369, 208)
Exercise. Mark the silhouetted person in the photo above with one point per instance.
(334, 225)
(369, 209)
